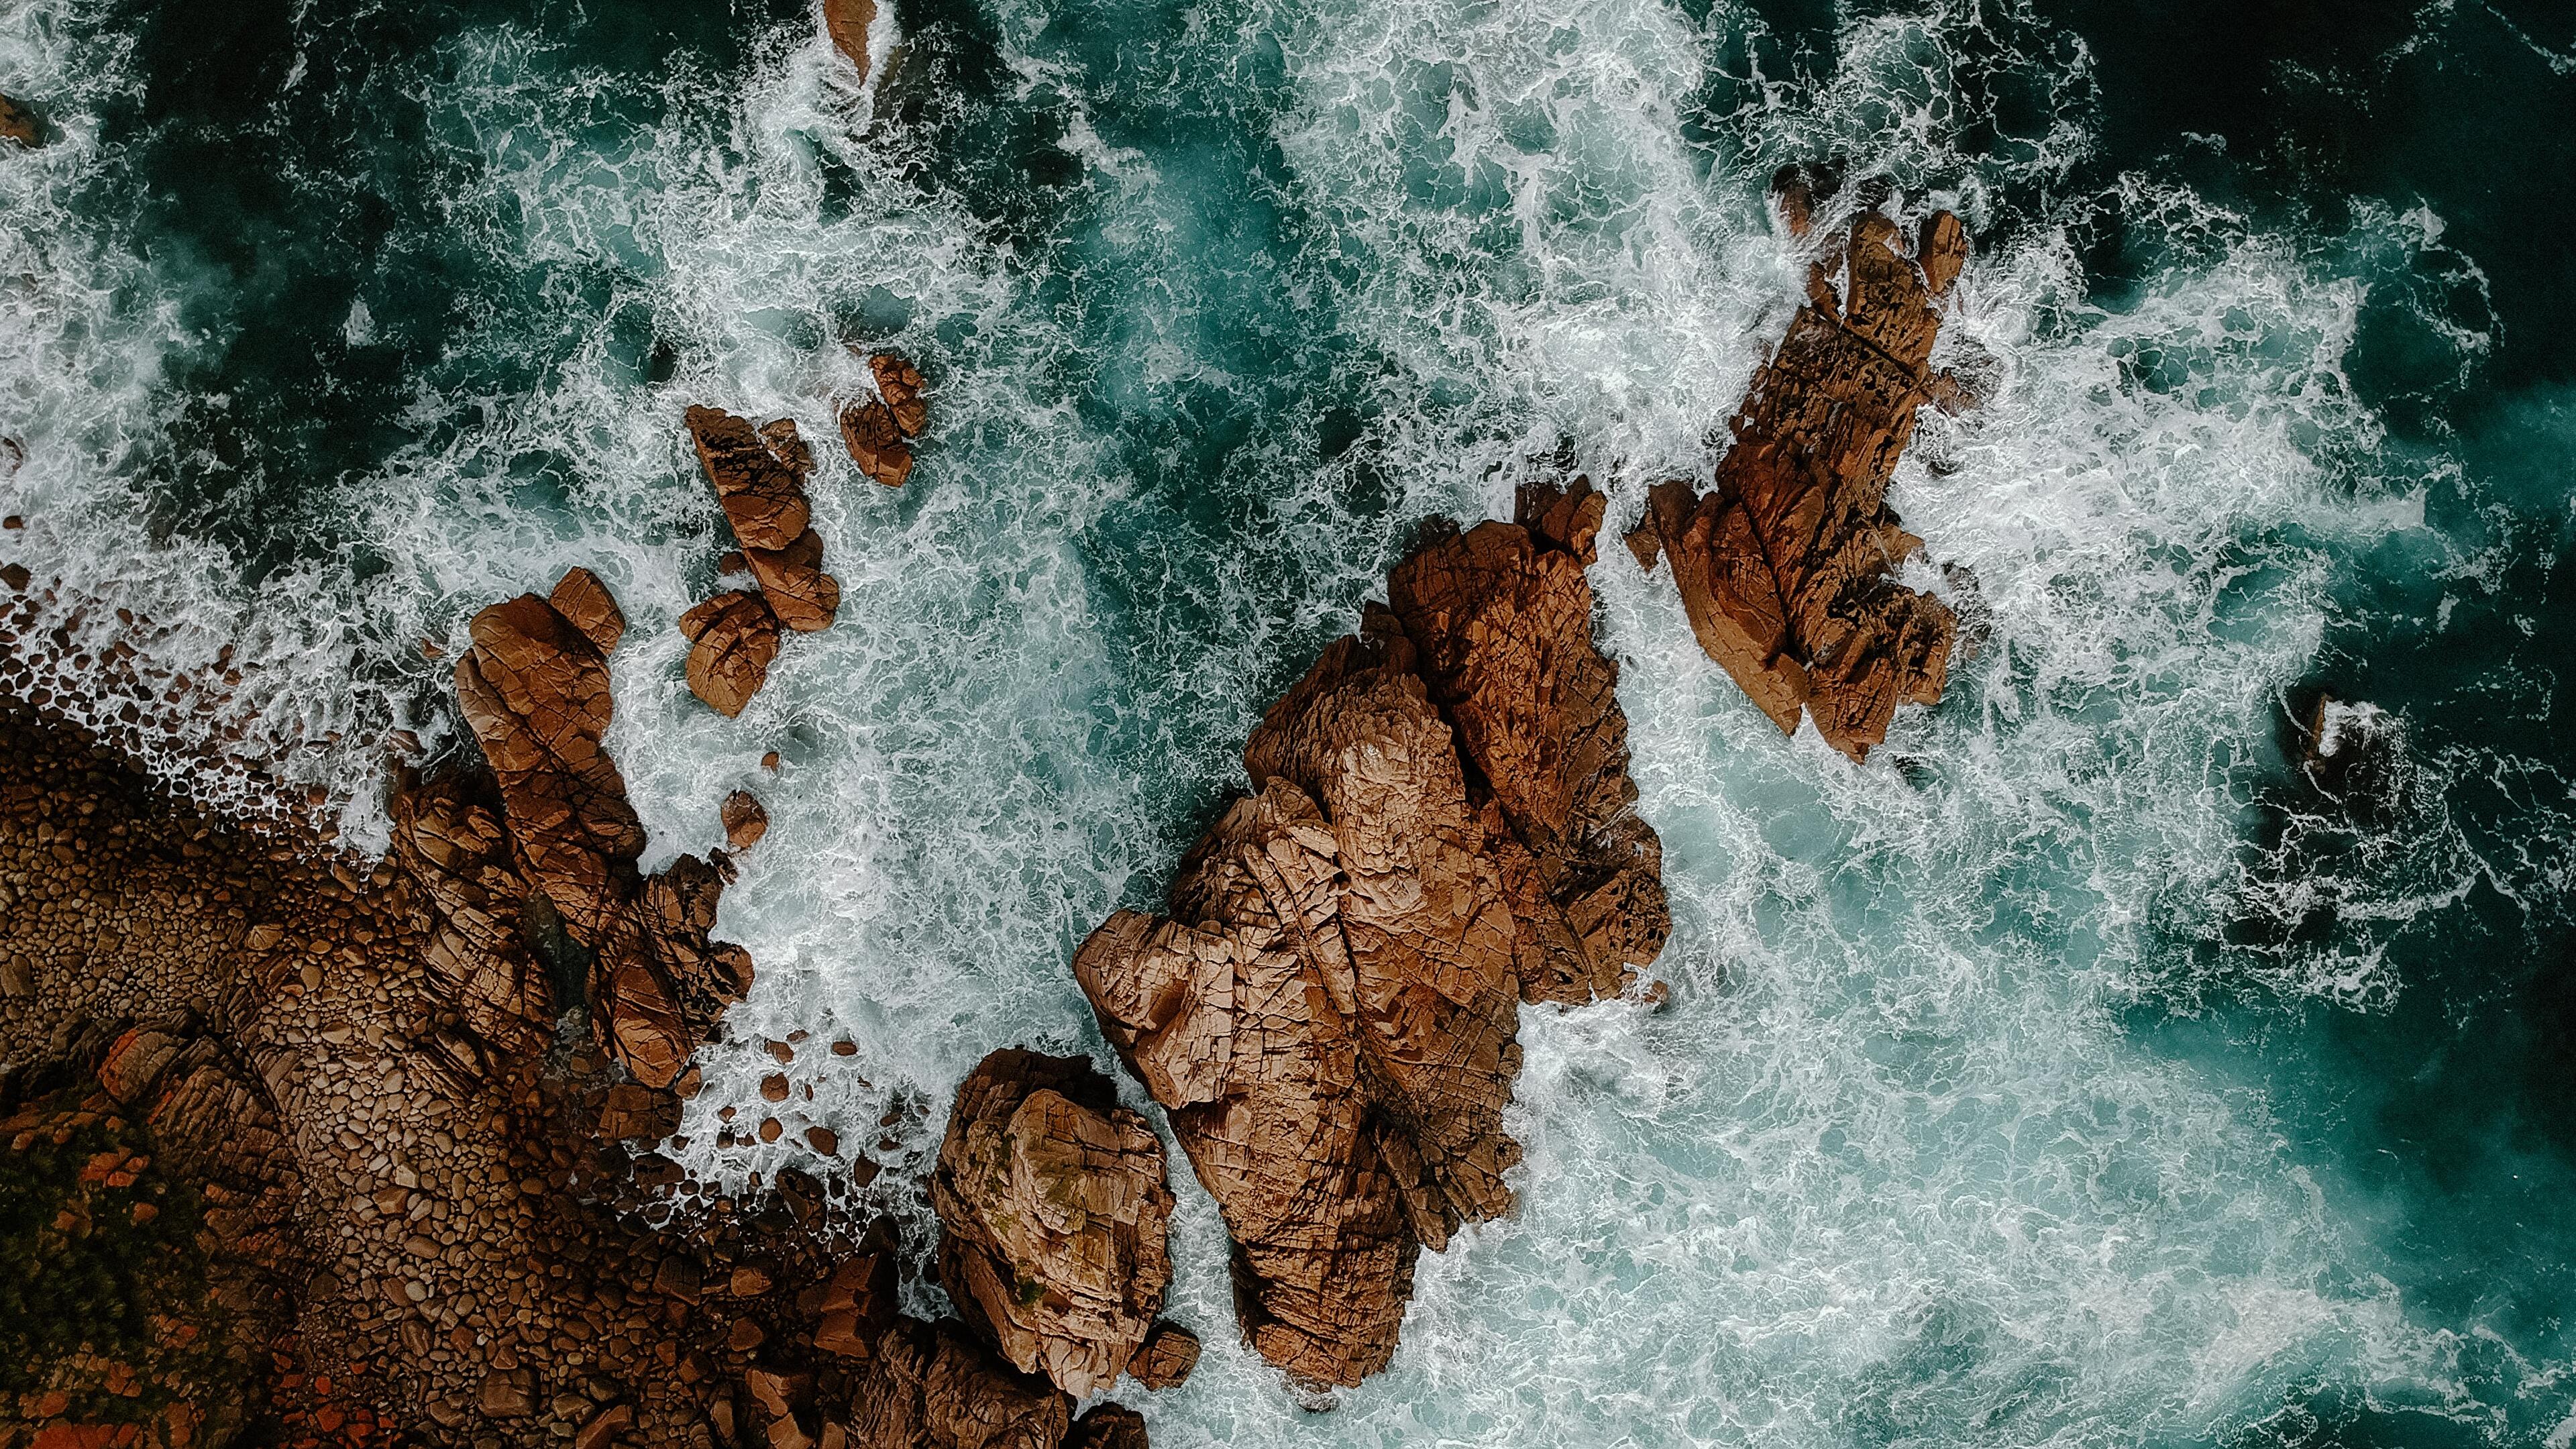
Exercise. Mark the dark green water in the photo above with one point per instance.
(2080, 1072)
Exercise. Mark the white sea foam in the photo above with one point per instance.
(1890, 1168)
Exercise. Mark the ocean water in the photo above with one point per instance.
(2079, 1072)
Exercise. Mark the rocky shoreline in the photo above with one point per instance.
(354, 1151)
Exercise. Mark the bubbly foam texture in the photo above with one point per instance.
(1889, 1168)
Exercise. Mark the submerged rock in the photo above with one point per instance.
(1329, 1010)
(1784, 567)
(19, 124)
(1053, 1211)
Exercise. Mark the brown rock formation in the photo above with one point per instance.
(931, 1386)
(732, 639)
(1329, 1012)
(879, 430)
(535, 690)
(847, 22)
(1784, 566)
(1053, 1210)
(1108, 1426)
(759, 476)
(1169, 1354)
(1502, 617)
(331, 1079)
(745, 820)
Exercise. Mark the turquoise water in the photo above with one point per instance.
(2074, 1074)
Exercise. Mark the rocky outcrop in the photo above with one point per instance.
(1501, 616)
(879, 431)
(1785, 565)
(1167, 1358)
(534, 689)
(1053, 1210)
(847, 22)
(759, 476)
(732, 639)
(1329, 1010)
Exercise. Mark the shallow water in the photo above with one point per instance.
(2073, 1074)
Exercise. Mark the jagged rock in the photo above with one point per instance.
(762, 495)
(878, 430)
(658, 982)
(535, 690)
(1502, 618)
(876, 444)
(759, 476)
(1169, 1354)
(1784, 566)
(803, 596)
(847, 22)
(859, 1302)
(732, 639)
(932, 1386)
(899, 383)
(1053, 1212)
(20, 125)
(1108, 1426)
(745, 820)
(1328, 1012)
(454, 851)
(1241, 1027)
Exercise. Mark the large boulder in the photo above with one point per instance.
(1785, 566)
(732, 639)
(1443, 824)
(1053, 1209)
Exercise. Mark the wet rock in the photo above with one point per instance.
(899, 384)
(932, 1386)
(859, 1302)
(1166, 1360)
(745, 820)
(1053, 1211)
(1108, 1426)
(732, 639)
(876, 444)
(1785, 567)
(19, 124)
(1501, 617)
(847, 22)
(804, 597)
(759, 476)
(535, 690)
(762, 496)
(581, 598)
